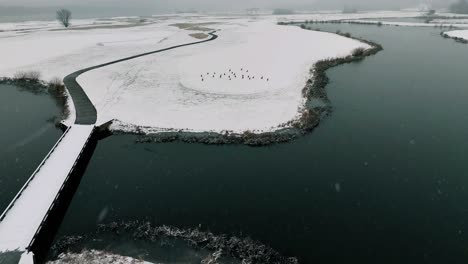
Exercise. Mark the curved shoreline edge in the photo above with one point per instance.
(245, 249)
(309, 119)
(457, 39)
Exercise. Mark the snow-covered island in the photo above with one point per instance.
(251, 78)
(459, 35)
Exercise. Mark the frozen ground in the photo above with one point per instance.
(179, 89)
(458, 34)
(250, 78)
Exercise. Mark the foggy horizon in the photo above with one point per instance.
(158, 6)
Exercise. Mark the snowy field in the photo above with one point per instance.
(458, 34)
(198, 88)
(249, 79)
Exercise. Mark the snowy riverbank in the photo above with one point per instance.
(460, 35)
(251, 79)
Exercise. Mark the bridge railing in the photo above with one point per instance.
(18, 195)
(61, 189)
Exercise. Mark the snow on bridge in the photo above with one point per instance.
(25, 215)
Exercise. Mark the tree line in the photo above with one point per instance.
(460, 7)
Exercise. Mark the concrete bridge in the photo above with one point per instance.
(28, 224)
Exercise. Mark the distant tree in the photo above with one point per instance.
(461, 7)
(431, 12)
(64, 17)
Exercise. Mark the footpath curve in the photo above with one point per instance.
(86, 113)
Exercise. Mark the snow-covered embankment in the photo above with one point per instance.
(250, 79)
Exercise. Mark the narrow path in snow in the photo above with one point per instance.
(86, 113)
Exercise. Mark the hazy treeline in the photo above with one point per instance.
(461, 7)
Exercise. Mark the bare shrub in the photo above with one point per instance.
(358, 52)
(64, 17)
(56, 82)
(57, 90)
(27, 75)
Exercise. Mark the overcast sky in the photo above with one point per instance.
(224, 4)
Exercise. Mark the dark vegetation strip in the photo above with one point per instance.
(309, 119)
(361, 22)
(457, 39)
(305, 24)
(243, 248)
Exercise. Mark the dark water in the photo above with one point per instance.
(398, 19)
(27, 133)
(384, 179)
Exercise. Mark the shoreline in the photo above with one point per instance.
(309, 118)
(457, 39)
(56, 91)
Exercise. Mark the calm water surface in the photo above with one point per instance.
(382, 180)
(27, 133)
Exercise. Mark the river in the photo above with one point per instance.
(383, 179)
(27, 134)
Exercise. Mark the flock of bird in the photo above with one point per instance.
(230, 75)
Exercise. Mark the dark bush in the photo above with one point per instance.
(358, 52)
(27, 75)
(56, 82)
